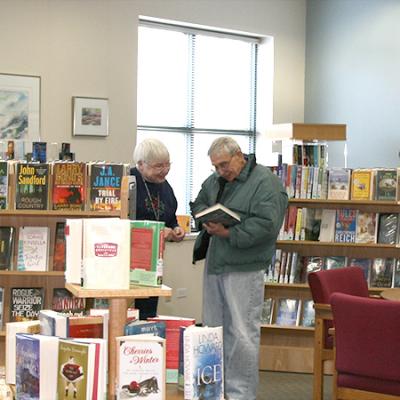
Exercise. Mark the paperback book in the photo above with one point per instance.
(218, 213)
(388, 227)
(3, 185)
(33, 248)
(39, 152)
(363, 263)
(147, 253)
(7, 234)
(141, 367)
(334, 262)
(25, 303)
(203, 363)
(105, 186)
(267, 311)
(32, 186)
(69, 182)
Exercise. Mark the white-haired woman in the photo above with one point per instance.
(155, 200)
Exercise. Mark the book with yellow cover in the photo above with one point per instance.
(361, 184)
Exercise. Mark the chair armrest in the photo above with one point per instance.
(323, 311)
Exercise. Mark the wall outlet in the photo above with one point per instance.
(181, 292)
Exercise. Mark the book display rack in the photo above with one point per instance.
(290, 348)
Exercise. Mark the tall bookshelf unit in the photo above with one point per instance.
(48, 279)
(291, 348)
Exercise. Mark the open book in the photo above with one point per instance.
(218, 213)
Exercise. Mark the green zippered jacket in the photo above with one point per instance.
(258, 196)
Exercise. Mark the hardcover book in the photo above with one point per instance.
(141, 367)
(59, 253)
(105, 186)
(76, 370)
(32, 186)
(12, 328)
(339, 183)
(345, 229)
(172, 325)
(25, 303)
(386, 184)
(106, 253)
(308, 314)
(327, 228)
(36, 367)
(388, 227)
(203, 363)
(362, 184)
(218, 214)
(33, 248)
(66, 303)
(6, 247)
(39, 152)
(366, 227)
(1, 307)
(363, 263)
(334, 262)
(267, 311)
(147, 253)
(288, 312)
(138, 327)
(69, 182)
(382, 272)
(3, 185)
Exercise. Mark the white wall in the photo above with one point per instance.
(89, 48)
(352, 76)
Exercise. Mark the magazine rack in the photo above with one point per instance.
(118, 301)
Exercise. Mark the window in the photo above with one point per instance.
(194, 86)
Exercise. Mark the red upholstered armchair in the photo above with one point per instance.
(348, 280)
(367, 344)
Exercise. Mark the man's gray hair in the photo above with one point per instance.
(224, 145)
(150, 151)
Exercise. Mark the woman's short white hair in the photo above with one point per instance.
(224, 145)
(150, 151)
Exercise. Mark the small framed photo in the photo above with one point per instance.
(19, 107)
(90, 116)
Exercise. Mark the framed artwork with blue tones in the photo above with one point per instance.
(19, 107)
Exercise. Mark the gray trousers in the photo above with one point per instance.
(234, 301)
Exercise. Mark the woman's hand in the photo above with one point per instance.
(174, 235)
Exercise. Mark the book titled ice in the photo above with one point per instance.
(203, 363)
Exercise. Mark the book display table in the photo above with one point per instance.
(118, 303)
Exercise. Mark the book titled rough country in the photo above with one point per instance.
(32, 186)
(203, 363)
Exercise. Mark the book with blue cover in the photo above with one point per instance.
(139, 327)
(345, 227)
(203, 363)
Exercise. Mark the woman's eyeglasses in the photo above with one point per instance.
(159, 166)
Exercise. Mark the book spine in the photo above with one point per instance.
(188, 365)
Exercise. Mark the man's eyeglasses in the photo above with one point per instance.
(159, 166)
(224, 165)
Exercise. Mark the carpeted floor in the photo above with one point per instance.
(289, 386)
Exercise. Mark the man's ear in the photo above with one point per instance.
(140, 165)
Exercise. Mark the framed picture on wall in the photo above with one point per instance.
(90, 116)
(19, 107)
